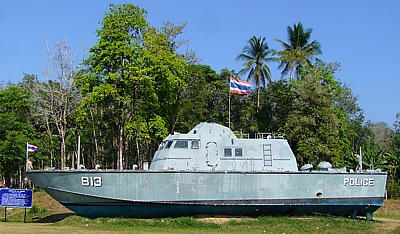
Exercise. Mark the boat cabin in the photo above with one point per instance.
(210, 146)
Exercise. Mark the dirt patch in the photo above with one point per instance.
(387, 226)
(222, 220)
(390, 207)
(28, 228)
(42, 199)
(44, 210)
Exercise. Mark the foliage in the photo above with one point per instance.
(276, 106)
(36, 209)
(319, 126)
(172, 31)
(205, 98)
(56, 99)
(138, 85)
(256, 55)
(133, 80)
(297, 52)
(15, 132)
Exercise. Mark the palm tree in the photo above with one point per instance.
(256, 55)
(297, 52)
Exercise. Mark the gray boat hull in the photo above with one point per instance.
(148, 194)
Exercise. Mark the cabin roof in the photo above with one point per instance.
(211, 128)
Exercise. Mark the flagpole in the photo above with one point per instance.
(26, 158)
(229, 115)
(238, 87)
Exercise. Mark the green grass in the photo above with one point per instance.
(46, 217)
(266, 224)
(36, 210)
(283, 224)
(389, 216)
(166, 225)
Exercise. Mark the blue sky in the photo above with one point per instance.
(361, 35)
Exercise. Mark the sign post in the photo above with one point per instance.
(21, 198)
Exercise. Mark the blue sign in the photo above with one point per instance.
(16, 198)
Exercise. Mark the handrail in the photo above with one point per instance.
(261, 135)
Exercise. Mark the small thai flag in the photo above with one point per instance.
(239, 86)
(31, 148)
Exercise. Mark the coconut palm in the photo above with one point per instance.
(297, 52)
(255, 56)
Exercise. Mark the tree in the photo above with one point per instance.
(256, 56)
(165, 79)
(297, 52)
(197, 101)
(56, 99)
(111, 80)
(380, 149)
(275, 107)
(395, 163)
(15, 131)
(172, 31)
(319, 125)
(133, 81)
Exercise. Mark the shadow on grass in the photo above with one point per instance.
(53, 218)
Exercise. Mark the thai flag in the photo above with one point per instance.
(239, 86)
(31, 148)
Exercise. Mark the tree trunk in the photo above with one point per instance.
(120, 165)
(62, 150)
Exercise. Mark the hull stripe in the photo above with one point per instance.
(376, 201)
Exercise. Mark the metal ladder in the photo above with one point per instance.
(267, 154)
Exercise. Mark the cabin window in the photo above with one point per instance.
(238, 152)
(227, 152)
(195, 144)
(168, 145)
(181, 144)
(161, 146)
